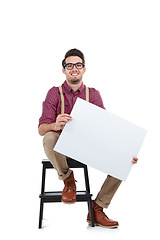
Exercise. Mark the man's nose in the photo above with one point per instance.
(74, 67)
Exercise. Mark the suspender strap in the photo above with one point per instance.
(62, 98)
(87, 94)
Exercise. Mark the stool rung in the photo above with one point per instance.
(56, 196)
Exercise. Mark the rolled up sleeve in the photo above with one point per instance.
(49, 107)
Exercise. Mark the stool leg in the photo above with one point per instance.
(91, 212)
(42, 191)
(86, 179)
(41, 214)
(88, 190)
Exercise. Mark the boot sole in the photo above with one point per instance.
(98, 224)
(68, 202)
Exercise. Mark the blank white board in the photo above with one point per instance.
(100, 139)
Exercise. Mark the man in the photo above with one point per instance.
(53, 120)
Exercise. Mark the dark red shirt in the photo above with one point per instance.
(52, 103)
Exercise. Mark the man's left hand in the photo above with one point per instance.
(134, 160)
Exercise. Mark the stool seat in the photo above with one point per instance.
(71, 163)
(55, 196)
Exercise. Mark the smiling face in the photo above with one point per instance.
(74, 76)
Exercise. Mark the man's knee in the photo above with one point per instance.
(50, 139)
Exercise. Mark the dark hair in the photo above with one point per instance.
(73, 52)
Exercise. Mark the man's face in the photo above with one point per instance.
(74, 76)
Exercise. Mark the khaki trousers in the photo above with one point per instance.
(59, 162)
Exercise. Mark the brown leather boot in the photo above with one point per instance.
(69, 191)
(100, 218)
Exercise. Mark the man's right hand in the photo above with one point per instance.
(61, 121)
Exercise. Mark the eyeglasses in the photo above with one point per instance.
(70, 66)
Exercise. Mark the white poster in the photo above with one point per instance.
(100, 139)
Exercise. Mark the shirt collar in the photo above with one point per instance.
(69, 89)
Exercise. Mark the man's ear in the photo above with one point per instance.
(84, 70)
(63, 70)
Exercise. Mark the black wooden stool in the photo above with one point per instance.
(81, 196)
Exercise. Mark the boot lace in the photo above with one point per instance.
(69, 183)
(100, 210)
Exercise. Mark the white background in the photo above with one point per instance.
(120, 40)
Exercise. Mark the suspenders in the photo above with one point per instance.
(87, 94)
(62, 98)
